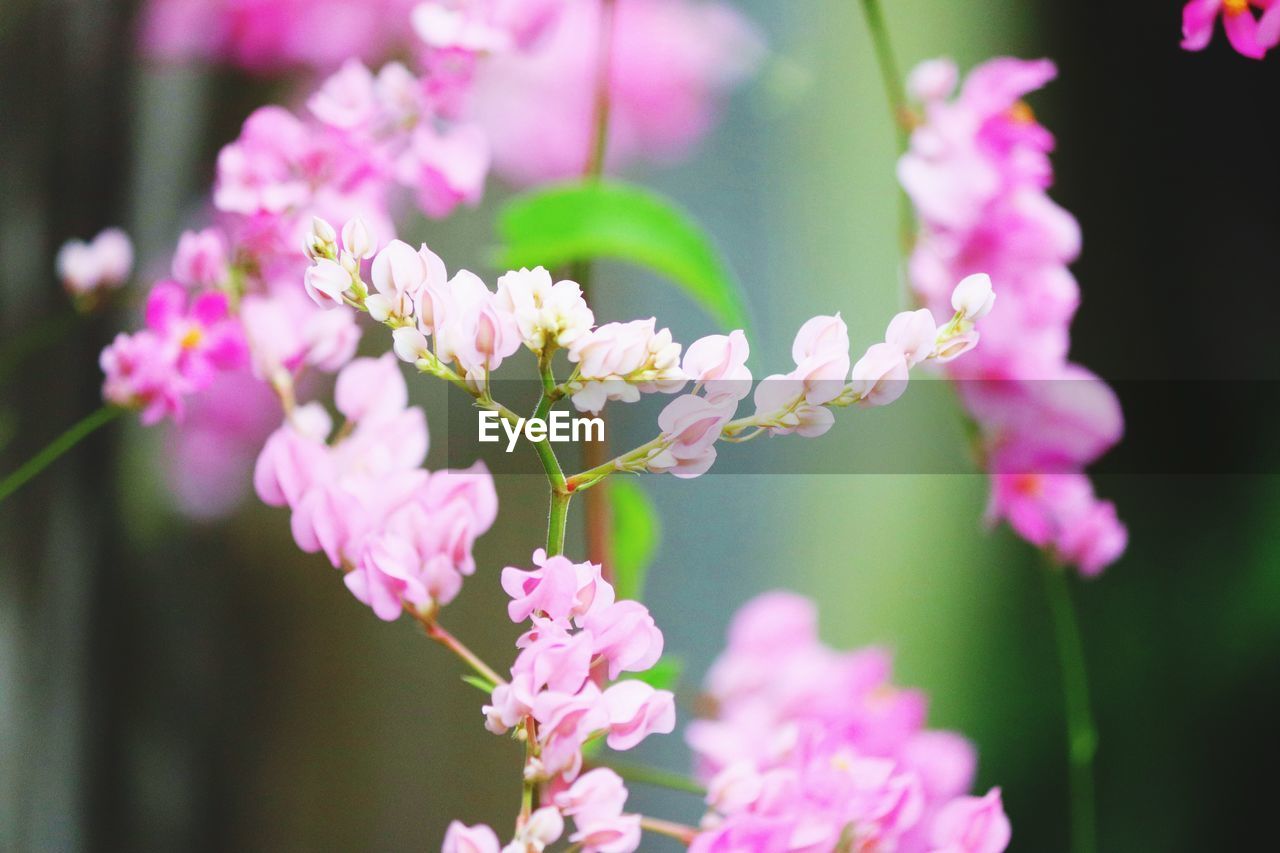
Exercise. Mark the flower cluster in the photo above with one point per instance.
(269, 36)
(559, 698)
(531, 67)
(1251, 34)
(977, 172)
(814, 749)
(442, 323)
(89, 269)
(403, 535)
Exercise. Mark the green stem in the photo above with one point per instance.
(896, 94)
(556, 520)
(1082, 736)
(600, 118)
(653, 776)
(56, 448)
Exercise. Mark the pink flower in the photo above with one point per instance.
(179, 353)
(821, 353)
(719, 363)
(809, 743)
(636, 711)
(690, 427)
(448, 168)
(596, 795)
(625, 635)
(913, 333)
(565, 722)
(972, 825)
(371, 388)
(459, 838)
(1246, 34)
(103, 263)
(201, 259)
(619, 361)
(1060, 513)
(880, 376)
(673, 63)
(558, 589)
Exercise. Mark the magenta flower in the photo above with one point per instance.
(1250, 35)
(977, 172)
(179, 353)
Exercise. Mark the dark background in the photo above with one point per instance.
(171, 685)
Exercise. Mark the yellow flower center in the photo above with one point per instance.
(192, 338)
(1235, 7)
(1021, 113)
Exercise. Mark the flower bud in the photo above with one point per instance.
(913, 332)
(357, 240)
(326, 281)
(880, 376)
(973, 297)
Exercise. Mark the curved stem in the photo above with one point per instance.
(653, 776)
(437, 632)
(56, 448)
(679, 831)
(896, 94)
(1082, 736)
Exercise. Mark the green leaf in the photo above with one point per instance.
(636, 531)
(481, 684)
(583, 221)
(663, 675)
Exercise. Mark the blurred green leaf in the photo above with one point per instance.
(481, 684)
(663, 675)
(608, 219)
(636, 530)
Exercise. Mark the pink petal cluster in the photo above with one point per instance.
(270, 36)
(402, 534)
(812, 748)
(185, 344)
(103, 263)
(580, 638)
(671, 63)
(978, 172)
(1250, 33)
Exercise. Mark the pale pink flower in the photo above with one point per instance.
(565, 722)
(459, 838)
(637, 710)
(719, 364)
(914, 334)
(545, 313)
(691, 426)
(371, 388)
(447, 167)
(201, 259)
(972, 825)
(557, 589)
(103, 263)
(880, 376)
(595, 795)
(821, 353)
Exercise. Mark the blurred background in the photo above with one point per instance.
(169, 683)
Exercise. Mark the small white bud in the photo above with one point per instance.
(357, 240)
(973, 297)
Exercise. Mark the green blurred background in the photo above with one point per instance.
(172, 685)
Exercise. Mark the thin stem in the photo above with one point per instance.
(56, 448)
(557, 518)
(437, 632)
(599, 525)
(604, 72)
(896, 93)
(653, 776)
(679, 831)
(1082, 736)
